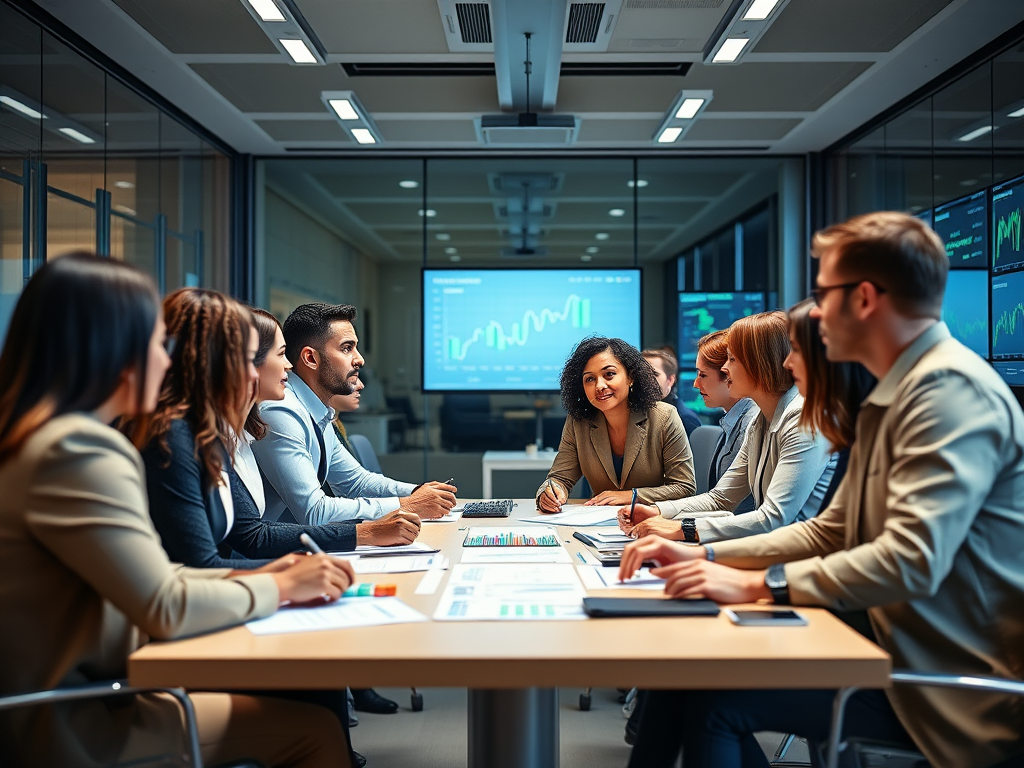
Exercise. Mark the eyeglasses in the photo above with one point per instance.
(818, 294)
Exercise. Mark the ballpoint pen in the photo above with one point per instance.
(632, 505)
(309, 544)
(551, 487)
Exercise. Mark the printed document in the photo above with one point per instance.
(542, 592)
(345, 613)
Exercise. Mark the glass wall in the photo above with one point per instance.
(364, 230)
(88, 163)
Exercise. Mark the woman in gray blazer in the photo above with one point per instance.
(81, 566)
(617, 434)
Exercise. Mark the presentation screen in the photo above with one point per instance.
(1008, 316)
(965, 308)
(510, 330)
(703, 313)
(1007, 201)
(962, 225)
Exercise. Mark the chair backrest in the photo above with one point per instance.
(367, 456)
(702, 443)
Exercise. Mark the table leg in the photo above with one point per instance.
(513, 728)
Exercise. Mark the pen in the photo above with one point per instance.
(450, 480)
(370, 590)
(309, 544)
(554, 493)
(581, 557)
(632, 504)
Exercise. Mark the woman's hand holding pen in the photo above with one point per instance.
(552, 499)
(314, 577)
(641, 512)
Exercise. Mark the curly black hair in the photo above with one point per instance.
(644, 393)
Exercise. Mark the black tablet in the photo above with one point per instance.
(608, 607)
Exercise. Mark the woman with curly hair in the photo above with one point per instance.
(785, 468)
(617, 434)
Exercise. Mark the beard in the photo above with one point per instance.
(332, 381)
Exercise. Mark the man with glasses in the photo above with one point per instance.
(926, 532)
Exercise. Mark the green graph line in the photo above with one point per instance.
(494, 333)
(1007, 323)
(964, 330)
(1008, 228)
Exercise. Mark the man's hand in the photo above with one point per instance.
(314, 578)
(549, 502)
(659, 550)
(658, 526)
(641, 512)
(398, 527)
(610, 499)
(430, 500)
(714, 581)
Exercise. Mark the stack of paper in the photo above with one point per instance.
(397, 564)
(345, 613)
(599, 577)
(451, 517)
(511, 593)
(578, 516)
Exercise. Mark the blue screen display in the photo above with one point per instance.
(963, 226)
(965, 308)
(511, 330)
(704, 313)
(1012, 373)
(1007, 202)
(1008, 316)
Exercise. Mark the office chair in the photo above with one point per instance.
(192, 756)
(412, 423)
(703, 441)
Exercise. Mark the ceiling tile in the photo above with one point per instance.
(273, 87)
(382, 26)
(617, 130)
(427, 130)
(199, 26)
(754, 129)
(304, 130)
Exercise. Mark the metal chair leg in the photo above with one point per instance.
(838, 711)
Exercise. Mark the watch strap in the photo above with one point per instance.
(775, 580)
(689, 528)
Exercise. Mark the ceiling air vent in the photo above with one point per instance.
(474, 22)
(584, 22)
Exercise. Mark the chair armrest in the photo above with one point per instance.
(965, 682)
(112, 688)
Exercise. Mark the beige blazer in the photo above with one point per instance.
(926, 532)
(83, 579)
(657, 459)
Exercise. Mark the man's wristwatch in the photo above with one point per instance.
(689, 529)
(775, 580)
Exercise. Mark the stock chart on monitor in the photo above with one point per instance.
(962, 224)
(703, 313)
(1007, 202)
(965, 308)
(512, 329)
(1008, 316)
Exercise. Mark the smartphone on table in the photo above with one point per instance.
(771, 617)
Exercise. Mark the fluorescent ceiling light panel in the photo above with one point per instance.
(601, 236)
(730, 50)
(760, 10)
(77, 135)
(267, 10)
(363, 136)
(298, 50)
(429, 213)
(24, 109)
(344, 109)
(669, 135)
(408, 184)
(640, 183)
(689, 108)
(617, 212)
(593, 249)
(972, 135)
(1015, 113)
(586, 258)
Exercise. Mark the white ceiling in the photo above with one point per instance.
(823, 68)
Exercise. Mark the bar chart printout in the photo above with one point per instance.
(1007, 202)
(526, 536)
(542, 592)
(1008, 316)
(962, 225)
(965, 308)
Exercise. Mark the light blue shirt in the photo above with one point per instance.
(289, 457)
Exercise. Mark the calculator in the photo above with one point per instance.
(498, 508)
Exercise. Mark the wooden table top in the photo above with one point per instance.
(690, 652)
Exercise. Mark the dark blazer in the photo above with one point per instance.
(189, 515)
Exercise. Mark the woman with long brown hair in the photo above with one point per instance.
(80, 565)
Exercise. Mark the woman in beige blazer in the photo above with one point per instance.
(617, 434)
(83, 578)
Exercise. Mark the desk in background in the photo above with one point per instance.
(513, 460)
(513, 669)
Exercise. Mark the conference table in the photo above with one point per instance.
(514, 668)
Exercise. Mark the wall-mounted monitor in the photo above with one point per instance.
(925, 216)
(510, 330)
(1008, 316)
(962, 224)
(1012, 373)
(703, 313)
(965, 308)
(1007, 202)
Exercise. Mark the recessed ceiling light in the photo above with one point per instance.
(124, 185)
(429, 213)
(344, 109)
(586, 258)
(298, 50)
(669, 135)
(455, 258)
(1015, 113)
(451, 249)
(408, 184)
(442, 236)
(77, 136)
(617, 212)
(363, 136)
(267, 10)
(641, 183)
(760, 10)
(972, 135)
(26, 110)
(968, 182)
(125, 209)
(601, 236)
(689, 108)
(730, 50)
(593, 249)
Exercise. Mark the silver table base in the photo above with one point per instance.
(513, 728)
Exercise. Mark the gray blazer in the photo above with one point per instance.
(657, 459)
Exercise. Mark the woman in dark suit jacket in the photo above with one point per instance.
(617, 434)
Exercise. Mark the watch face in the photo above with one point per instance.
(775, 578)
